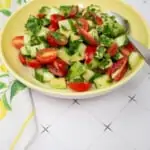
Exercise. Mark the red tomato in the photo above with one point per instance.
(73, 12)
(53, 27)
(58, 68)
(125, 52)
(113, 50)
(98, 20)
(89, 53)
(22, 59)
(18, 42)
(121, 73)
(83, 23)
(60, 41)
(52, 42)
(87, 37)
(33, 63)
(80, 86)
(55, 18)
(130, 47)
(121, 63)
(47, 55)
(40, 16)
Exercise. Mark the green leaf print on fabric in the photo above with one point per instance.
(21, 1)
(2, 85)
(4, 75)
(4, 99)
(5, 12)
(15, 88)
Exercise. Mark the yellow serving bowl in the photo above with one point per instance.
(15, 26)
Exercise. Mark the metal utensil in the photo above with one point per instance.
(145, 52)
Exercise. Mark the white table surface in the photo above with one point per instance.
(117, 121)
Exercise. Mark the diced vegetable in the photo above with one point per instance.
(102, 81)
(18, 42)
(80, 86)
(100, 52)
(58, 83)
(106, 41)
(88, 75)
(76, 48)
(43, 75)
(77, 69)
(121, 40)
(62, 53)
(134, 59)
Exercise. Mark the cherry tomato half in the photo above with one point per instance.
(74, 11)
(58, 68)
(47, 55)
(121, 73)
(113, 50)
(98, 20)
(125, 52)
(83, 23)
(55, 18)
(22, 59)
(121, 63)
(89, 53)
(80, 86)
(130, 47)
(53, 27)
(87, 37)
(33, 63)
(40, 16)
(57, 39)
(18, 42)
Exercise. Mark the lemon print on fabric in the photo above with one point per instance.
(5, 4)
(3, 110)
(3, 68)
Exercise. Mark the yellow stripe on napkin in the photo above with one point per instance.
(25, 124)
(5, 3)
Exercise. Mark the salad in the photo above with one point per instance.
(79, 49)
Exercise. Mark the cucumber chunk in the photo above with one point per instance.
(88, 75)
(102, 81)
(121, 40)
(43, 75)
(134, 59)
(58, 83)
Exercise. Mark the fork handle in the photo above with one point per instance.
(145, 52)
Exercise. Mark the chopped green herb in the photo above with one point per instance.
(44, 10)
(65, 10)
(45, 21)
(73, 47)
(100, 52)
(106, 41)
(33, 24)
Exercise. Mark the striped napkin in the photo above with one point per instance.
(17, 122)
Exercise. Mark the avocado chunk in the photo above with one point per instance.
(58, 83)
